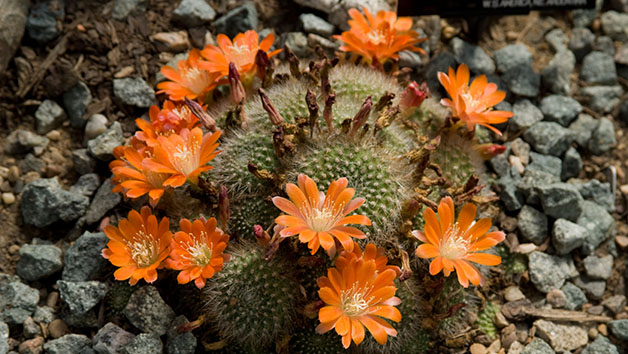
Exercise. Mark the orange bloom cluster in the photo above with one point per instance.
(196, 76)
(359, 292)
(168, 151)
(141, 244)
(473, 104)
(317, 218)
(197, 251)
(379, 38)
(453, 244)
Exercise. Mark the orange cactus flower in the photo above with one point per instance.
(188, 80)
(241, 52)
(453, 244)
(197, 251)
(318, 218)
(138, 245)
(163, 122)
(359, 293)
(132, 178)
(380, 38)
(473, 104)
(184, 156)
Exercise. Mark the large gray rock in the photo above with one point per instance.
(526, 114)
(180, 343)
(38, 261)
(12, 22)
(532, 224)
(603, 98)
(81, 296)
(560, 109)
(567, 236)
(546, 163)
(83, 260)
(76, 101)
(48, 116)
(556, 75)
(615, 25)
(511, 56)
(440, 63)
(297, 41)
(581, 42)
(86, 184)
(17, 302)
(144, 343)
(598, 222)
(537, 346)
(602, 138)
(191, 13)
(103, 201)
(41, 24)
(599, 68)
(597, 192)
(523, 81)
(111, 339)
(561, 200)
(572, 164)
(561, 337)
(472, 55)
(549, 138)
(44, 203)
(557, 39)
(509, 193)
(598, 267)
(134, 92)
(583, 127)
(124, 8)
(314, 24)
(4, 338)
(575, 297)
(592, 287)
(240, 19)
(562, 268)
(619, 328)
(600, 345)
(23, 141)
(147, 311)
(604, 44)
(530, 185)
(101, 147)
(69, 344)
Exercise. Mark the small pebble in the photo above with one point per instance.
(8, 198)
(513, 293)
(52, 299)
(14, 174)
(622, 241)
(593, 333)
(477, 348)
(556, 298)
(602, 329)
(54, 135)
(58, 328)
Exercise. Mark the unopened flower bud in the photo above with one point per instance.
(413, 95)
(237, 89)
(206, 120)
(223, 207)
(275, 118)
(488, 151)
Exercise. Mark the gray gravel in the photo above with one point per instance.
(39, 261)
(147, 311)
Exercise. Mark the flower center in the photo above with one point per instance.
(241, 54)
(185, 158)
(200, 252)
(353, 301)
(321, 220)
(144, 249)
(376, 37)
(471, 104)
(453, 245)
(196, 80)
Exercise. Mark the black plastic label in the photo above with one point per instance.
(486, 7)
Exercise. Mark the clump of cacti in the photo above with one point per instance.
(318, 191)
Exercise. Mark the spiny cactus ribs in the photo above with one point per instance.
(325, 154)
